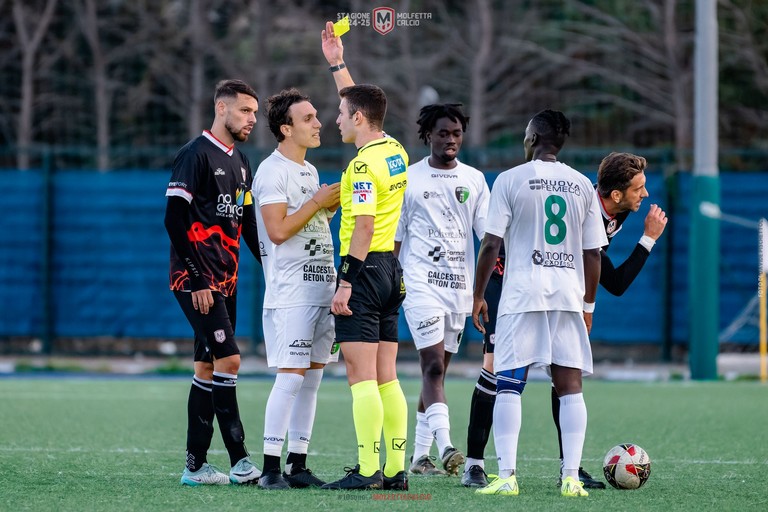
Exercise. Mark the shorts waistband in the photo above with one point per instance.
(380, 255)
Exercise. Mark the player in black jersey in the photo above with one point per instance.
(621, 190)
(209, 208)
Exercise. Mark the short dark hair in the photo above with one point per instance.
(368, 99)
(278, 106)
(231, 88)
(429, 115)
(552, 127)
(617, 170)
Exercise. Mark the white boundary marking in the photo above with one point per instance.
(146, 451)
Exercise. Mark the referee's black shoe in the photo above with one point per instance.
(399, 482)
(353, 480)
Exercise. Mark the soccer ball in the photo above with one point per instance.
(627, 466)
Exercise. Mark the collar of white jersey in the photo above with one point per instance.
(452, 170)
(284, 158)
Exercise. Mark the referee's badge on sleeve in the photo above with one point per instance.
(396, 165)
(362, 192)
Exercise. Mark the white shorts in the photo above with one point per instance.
(296, 336)
(542, 338)
(431, 326)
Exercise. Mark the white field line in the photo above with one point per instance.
(146, 451)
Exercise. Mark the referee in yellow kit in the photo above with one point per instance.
(370, 288)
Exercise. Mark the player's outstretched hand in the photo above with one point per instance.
(328, 196)
(655, 222)
(333, 49)
(480, 312)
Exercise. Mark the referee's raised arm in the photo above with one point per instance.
(333, 49)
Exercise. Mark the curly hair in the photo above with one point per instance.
(430, 114)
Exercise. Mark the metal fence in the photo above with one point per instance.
(83, 268)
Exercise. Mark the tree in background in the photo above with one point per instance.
(31, 26)
(103, 83)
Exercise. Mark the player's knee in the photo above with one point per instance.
(204, 370)
(511, 381)
(432, 368)
(229, 364)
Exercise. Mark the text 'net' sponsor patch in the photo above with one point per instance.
(362, 192)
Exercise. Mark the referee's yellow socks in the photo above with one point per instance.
(395, 426)
(368, 414)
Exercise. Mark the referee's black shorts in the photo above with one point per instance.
(377, 293)
(492, 297)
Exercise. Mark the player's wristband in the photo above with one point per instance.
(589, 307)
(345, 285)
(350, 268)
(647, 242)
(336, 68)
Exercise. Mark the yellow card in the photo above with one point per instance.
(341, 27)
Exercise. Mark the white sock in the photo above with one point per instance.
(303, 412)
(507, 420)
(573, 426)
(439, 425)
(473, 462)
(278, 411)
(423, 443)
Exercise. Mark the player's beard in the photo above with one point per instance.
(627, 206)
(238, 135)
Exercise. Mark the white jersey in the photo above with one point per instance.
(547, 214)
(300, 271)
(441, 207)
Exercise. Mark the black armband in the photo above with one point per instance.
(350, 268)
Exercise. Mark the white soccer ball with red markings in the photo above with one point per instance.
(627, 466)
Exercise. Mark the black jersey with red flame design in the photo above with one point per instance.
(498, 268)
(215, 179)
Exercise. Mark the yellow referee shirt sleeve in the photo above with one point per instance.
(364, 188)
